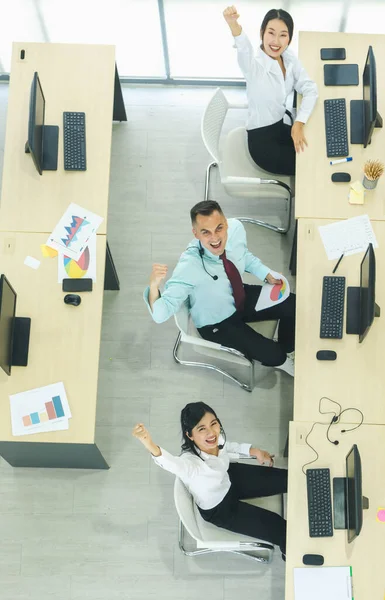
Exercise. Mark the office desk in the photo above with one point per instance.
(74, 78)
(366, 553)
(64, 346)
(357, 377)
(316, 195)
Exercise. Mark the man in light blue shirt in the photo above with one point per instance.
(208, 274)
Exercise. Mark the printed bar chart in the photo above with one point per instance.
(40, 410)
(53, 410)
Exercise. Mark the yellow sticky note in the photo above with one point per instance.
(357, 187)
(356, 197)
(380, 516)
(47, 251)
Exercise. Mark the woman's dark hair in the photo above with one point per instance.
(190, 416)
(206, 208)
(282, 15)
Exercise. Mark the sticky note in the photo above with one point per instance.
(48, 252)
(32, 262)
(355, 198)
(357, 187)
(380, 517)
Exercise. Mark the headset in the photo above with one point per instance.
(201, 254)
(336, 418)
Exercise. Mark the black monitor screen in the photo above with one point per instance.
(354, 493)
(36, 123)
(367, 291)
(7, 323)
(369, 96)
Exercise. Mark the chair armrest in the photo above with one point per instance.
(232, 351)
(245, 180)
(254, 180)
(240, 105)
(199, 341)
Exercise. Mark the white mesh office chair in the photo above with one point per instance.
(209, 538)
(239, 174)
(188, 334)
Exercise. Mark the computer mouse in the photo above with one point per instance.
(73, 299)
(313, 559)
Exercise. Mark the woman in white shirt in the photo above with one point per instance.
(271, 74)
(217, 484)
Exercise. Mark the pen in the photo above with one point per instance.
(341, 160)
(339, 260)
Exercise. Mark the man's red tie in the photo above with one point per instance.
(235, 281)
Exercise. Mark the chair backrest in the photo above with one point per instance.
(184, 505)
(182, 317)
(212, 122)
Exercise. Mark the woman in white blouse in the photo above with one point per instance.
(271, 74)
(217, 484)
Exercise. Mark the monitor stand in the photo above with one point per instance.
(353, 311)
(357, 121)
(50, 147)
(340, 504)
(21, 333)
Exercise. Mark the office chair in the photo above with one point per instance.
(239, 174)
(188, 334)
(209, 538)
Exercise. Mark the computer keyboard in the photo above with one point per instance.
(336, 127)
(332, 308)
(319, 502)
(74, 126)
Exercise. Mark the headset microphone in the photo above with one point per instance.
(201, 253)
(221, 446)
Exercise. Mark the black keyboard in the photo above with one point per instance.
(336, 127)
(319, 502)
(332, 308)
(74, 126)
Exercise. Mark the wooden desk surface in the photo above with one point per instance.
(65, 340)
(357, 377)
(316, 195)
(74, 78)
(366, 553)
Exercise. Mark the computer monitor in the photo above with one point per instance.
(368, 307)
(7, 323)
(36, 123)
(348, 501)
(363, 113)
(43, 139)
(369, 84)
(354, 499)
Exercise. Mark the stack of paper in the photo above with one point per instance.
(39, 410)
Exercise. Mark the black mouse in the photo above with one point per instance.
(73, 299)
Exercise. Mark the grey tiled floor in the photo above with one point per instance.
(66, 535)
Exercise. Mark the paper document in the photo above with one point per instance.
(41, 409)
(72, 234)
(32, 262)
(85, 266)
(323, 583)
(347, 237)
(271, 295)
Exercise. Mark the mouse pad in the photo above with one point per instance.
(341, 74)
